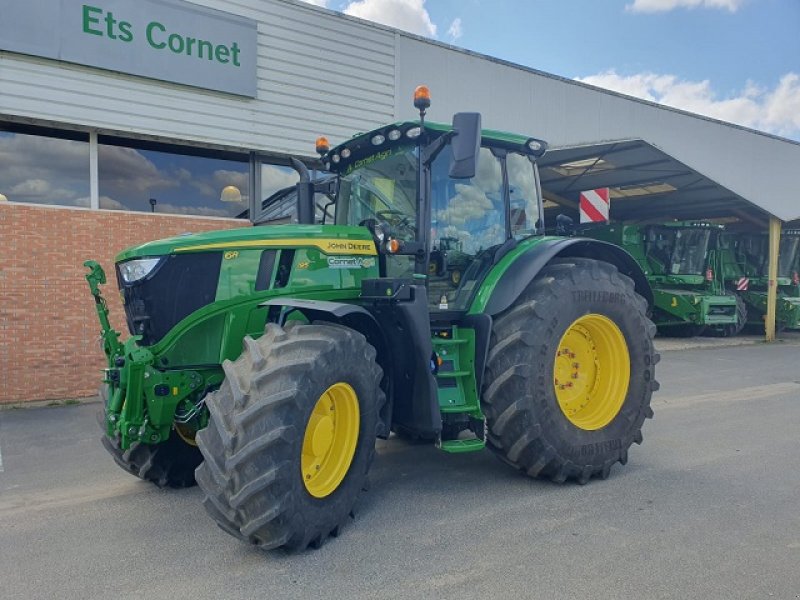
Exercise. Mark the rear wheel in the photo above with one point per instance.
(168, 464)
(570, 373)
(291, 435)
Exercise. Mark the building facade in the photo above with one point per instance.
(125, 121)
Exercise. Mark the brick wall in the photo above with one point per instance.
(49, 330)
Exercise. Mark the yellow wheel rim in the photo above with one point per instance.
(330, 440)
(591, 372)
(186, 433)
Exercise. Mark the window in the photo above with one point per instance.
(44, 167)
(470, 212)
(151, 180)
(523, 195)
(467, 223)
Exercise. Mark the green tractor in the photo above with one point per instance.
(746, 265)
(265, 361)
(679, 261)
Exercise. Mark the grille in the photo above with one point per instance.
(177, 287)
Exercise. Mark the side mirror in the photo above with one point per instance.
(466, 145)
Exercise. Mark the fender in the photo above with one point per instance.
(358, 318)
(401, 335)
(527, 266)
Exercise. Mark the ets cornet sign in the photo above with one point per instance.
(169, 40)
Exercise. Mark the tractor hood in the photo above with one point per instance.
(330, 239)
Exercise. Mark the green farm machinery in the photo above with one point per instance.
(680, 261)
(745, 263)
(265, 361)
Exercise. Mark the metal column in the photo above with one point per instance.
(772, 289)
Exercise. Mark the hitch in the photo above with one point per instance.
(111, 345)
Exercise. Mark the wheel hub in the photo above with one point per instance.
(330, 440)
(591, 372)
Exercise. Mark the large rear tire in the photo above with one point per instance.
(570, 373)
(168, 464)
(291, 435)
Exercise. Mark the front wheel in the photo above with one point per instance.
(291, 435)
(570, 373)
(167, 464)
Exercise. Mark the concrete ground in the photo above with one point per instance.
(706, 508)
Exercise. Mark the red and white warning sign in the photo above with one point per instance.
(742, 284)
(594, 206)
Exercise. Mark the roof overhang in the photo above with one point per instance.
(645, 183)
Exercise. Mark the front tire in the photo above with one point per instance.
(291, 435)
(570, 373)
(168, 464)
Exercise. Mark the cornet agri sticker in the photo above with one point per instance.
(350, 262)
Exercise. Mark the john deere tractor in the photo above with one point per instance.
(265, 361)
(746, 260)
(679, 261)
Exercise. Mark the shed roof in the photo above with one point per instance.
(645, 183)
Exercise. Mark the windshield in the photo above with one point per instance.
(689, 256)
(787, 255)
(384, 189)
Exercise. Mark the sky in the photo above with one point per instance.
(733, 60)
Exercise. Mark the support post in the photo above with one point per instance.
(94, 180)
(772, 289)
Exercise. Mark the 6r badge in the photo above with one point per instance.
(231, 254)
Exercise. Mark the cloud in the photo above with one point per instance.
(129, 170)
(322, 3)
(408, 15)
(772, 110)
(274, 178)
(44, 170)
(651, 6)
(456, 30)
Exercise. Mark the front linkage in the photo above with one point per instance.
(141, 402)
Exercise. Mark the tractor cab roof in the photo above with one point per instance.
(364, 148)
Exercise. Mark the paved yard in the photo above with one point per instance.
(708, 507)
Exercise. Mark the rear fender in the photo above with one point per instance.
(527, 266)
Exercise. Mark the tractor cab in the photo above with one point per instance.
(679, 250)
(753, 250)
(432, 221)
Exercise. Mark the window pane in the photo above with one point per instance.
(468, 220)
(148, 180)
(275, 178)
(44, 170)
(522, 194)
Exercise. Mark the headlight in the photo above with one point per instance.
(134, 270)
